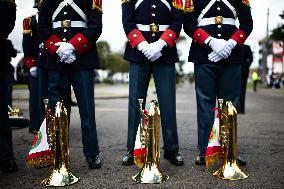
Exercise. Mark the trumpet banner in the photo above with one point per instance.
(40, 155)
(140, 148)
(214, 148)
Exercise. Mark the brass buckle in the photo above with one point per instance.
(218, 20)
(154, 27)
(66, 23)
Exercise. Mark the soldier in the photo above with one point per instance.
(215, 50)
(152, 27)
(69, 30)
(31, 49)
(7, 21)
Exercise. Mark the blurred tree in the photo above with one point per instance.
(110, 60)
(278, 33)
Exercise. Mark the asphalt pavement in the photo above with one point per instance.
(260, 143)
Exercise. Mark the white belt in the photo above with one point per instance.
(68, 23)
(143, 27)
(216, 20)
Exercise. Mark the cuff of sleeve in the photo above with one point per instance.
(50, 43)
(199, 36)
(239, 36)
(80, 43)
(135, 37)
(30, 62)
(170, 37)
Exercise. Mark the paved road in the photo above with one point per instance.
(260, 142)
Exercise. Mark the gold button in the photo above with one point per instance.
(135, 35)
(33, 60)
(85, 45)
(219, 35)
(218, 8)
(51, 43)
(241, 36)
(153, 34)
(79, 38)
(153, 14)
(219, 26)
(154, 6)
(198, 35)
(170, 35)
(65, 30)
(64, 39)
(65, 13)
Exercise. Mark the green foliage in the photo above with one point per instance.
(278, 33)
(110, 60)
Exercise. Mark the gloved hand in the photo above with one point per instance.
(218, 45)
(231, 44)
(33, 71)
(65, 47)
(155, 57)
(214, 57)
(66, 52)
(143, 46)
(68, 59)
(154, 51)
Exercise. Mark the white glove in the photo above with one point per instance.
(64, 48)
(214, 57)
(155, 57)
(33, 71)
(143, 46)
(154, 51)
(218, 45)
(68, 59)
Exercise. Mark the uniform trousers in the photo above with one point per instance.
(214, 81)
(164, 77)
(6, 145)
(59, 83)
(33, 102)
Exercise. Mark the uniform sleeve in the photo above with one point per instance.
(190, 24)
(171, 34)
(245, 20)
(88, 37)
(133, 34)
(29, 44)
(7, 18)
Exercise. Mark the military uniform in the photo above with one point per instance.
(206, 21)
(31, 52)
(79, 24)
(148, 21)
(7, 21)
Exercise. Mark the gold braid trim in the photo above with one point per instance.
(178, 4)
(210, 160)
(125, 1)
(97, 5)
(246, 2)
(188, 6)
(39, 162)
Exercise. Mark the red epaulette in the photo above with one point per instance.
(188, 6)
(178, 4)
(27, 29)
(97, 4)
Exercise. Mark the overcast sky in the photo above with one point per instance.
(114, 34)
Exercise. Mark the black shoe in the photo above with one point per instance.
(200, 160)
(128, 159)
(241, 162)
(174, 158)
(9, 166)
(33, 131)
(94, 162)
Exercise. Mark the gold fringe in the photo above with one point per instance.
(139, 160)
(39, 162)
(210, 160)
(26, 32)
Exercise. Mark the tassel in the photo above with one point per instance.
(188, 7)
(178, 4)
(97, 4)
